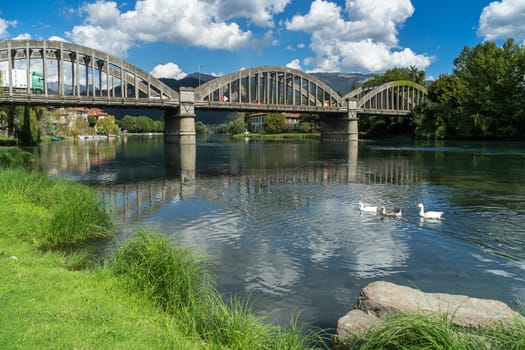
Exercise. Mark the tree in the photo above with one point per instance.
(141, 124)
(201, 128)
(237, 125)
(483, 99)
(309, 123)
(494, 80)
(107, 126)
(411, 73)
(274, 123)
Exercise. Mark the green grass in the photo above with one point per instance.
(45, 306)
(433, 332)
(147, 295)
(51, 213)
(177, 281)
(15, 157)
(7, 141)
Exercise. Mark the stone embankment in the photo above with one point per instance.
(381, 299)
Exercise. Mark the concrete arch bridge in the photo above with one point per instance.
(61, 74)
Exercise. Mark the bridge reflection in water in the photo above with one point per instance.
(140, 198)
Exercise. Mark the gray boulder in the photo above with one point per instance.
(381, 299)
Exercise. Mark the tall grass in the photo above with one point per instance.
(173, 278)
(14, 157)
(177, 280)
(51, 213)
(434, 332)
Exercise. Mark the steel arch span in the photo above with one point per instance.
(271, 88)
(392, 98)
(45, 72)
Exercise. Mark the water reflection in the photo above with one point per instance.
(282, 221)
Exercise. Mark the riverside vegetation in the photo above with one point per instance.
(147, 294)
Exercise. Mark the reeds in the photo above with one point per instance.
(178, 281)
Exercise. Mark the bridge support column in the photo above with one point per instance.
(181, 162)
(343, 127)
(179, 124)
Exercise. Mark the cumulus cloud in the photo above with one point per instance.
(259, 12)
(295, 64)
(4, 24)
(503, 19)
(57, 38)
(362, 37)
(110, 40)
(205, 23)
(168, 70)
(24, 36)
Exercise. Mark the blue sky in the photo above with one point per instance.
(172, 38)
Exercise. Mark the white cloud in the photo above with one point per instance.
(110, 40)
(101, 13)
(4, 24)
(24, 36)
(57, 38)
(367, 40)
(503, 19)
(168, 70)
(205, 23)
(259, 12)
(295, 64)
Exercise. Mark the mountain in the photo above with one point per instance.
(191, 80)
(343, 83)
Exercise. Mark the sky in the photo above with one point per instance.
(174, 38)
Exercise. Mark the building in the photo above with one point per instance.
(257, 121)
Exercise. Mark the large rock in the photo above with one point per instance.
(380, 299)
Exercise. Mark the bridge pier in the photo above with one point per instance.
(181, 162)
(342, 127)
(179, 124)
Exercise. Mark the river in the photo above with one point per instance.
(281, 219)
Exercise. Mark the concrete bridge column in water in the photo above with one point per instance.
(180, 122)
(341, 127)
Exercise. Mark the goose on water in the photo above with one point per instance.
(369, 209)
(384, 212)
(429, 214)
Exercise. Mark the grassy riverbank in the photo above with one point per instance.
(148, 295)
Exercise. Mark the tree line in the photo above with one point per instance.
(483, 98)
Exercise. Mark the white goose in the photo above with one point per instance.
(369, 209)
(384, 212)
(429, 214)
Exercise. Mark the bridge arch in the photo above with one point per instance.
(37, 71)
(393, 98)
(269, 87)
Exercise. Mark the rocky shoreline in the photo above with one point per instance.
(382, 299)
